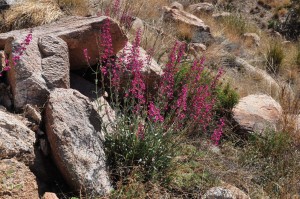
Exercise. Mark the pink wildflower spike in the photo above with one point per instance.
(17, 53)
(217, 134)
(154, 113)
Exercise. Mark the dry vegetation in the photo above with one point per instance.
(259, 166)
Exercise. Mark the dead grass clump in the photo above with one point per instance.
(31, 13)
(274, 57)
(74, 7)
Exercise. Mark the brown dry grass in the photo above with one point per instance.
(34, 12)
(276, 3)
(31, 13)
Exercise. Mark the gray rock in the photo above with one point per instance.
(218, 193)
(201, 8)
(16, 139)
(55, 49)
(73, 129)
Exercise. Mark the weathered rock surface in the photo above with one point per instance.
(44, 66)
(257, 113)
(17, 181)
(16, 140)
(49, 195)
(201, 8)
(225, 192)
(266, 78)
(218, 193)
(189, 26)
(176, 5)
(79, 33)
(73, 128)
(55, 49)
(106, 113)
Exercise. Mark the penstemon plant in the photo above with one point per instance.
(17, 53)
(149, 126)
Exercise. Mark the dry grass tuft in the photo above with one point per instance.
(74, 7)
(31, 13)
(34, 12)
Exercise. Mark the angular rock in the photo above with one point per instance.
(16, 140)
(136, 25)
(33, 114)
(189, 26)
(226, 191)
(257, 113)
(218, 193)
(176, 5)
(253, 38)
(17, 181)
(44, 66)
(201, 8)
(73, 129)
(49, 195)
(79, 33)
(54, 50)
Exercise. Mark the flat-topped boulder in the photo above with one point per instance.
(54, 50)
(78, 32)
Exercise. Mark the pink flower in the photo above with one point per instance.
(154, 113)
(216, 136)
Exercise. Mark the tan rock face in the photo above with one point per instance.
(73, 128)
(49, 195)
(54, 50)
(16, 140)
(257, 113)
(176, 5)
(201, 8)
(189, 26)
(17, 181)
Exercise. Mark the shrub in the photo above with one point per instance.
(227, 99)
(275, 56)
(236, 24)
(150, 125)
(273, 163)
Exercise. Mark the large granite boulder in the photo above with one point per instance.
(54, 50)
(73, 128)
(257, 113)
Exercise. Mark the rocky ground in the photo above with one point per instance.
(51, 130)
